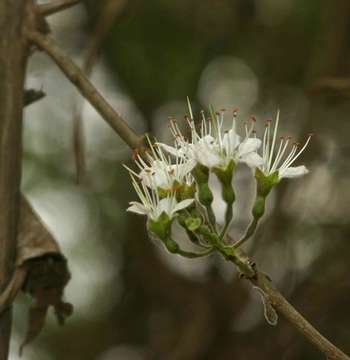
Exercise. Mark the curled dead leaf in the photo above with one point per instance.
(41, 271)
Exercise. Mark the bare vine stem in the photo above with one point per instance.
(78, 78)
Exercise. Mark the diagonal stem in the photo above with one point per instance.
(86, 88)
(249, 271)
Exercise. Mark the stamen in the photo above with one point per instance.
(299, 152)
(274, 139)
(280, 153)
(131, 171)
(189, 107)
(289, 157)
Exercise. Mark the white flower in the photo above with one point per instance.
(211, 146)
(157, 171)
(152, 206)
(275, 156)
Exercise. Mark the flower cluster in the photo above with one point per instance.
(172, 181)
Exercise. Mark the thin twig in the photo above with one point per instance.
(296, 319)
(279, 302)
(56, 6)
(86, 88)
(103, 26)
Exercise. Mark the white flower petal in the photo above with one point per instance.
(171, 150)
(146, 178)
(248, 145)
(182, 205)
(137, 208)
(230, 141)
(208, 139)
(206, 152)
(164, 205)
(208, 159)
(179, 171)
(188, 166)
(293, 172)
(252, 159)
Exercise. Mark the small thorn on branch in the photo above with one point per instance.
(56, 6)
(32, 95)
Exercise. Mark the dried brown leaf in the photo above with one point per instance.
(46, 268)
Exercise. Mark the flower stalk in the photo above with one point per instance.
(225, 177)
(205, 195)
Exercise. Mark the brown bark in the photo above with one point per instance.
(12, 70)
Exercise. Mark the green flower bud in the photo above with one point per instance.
(193, 223)
(171, 245)
(161, 226)
(189, 219)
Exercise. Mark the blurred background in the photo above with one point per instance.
(132, 300)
